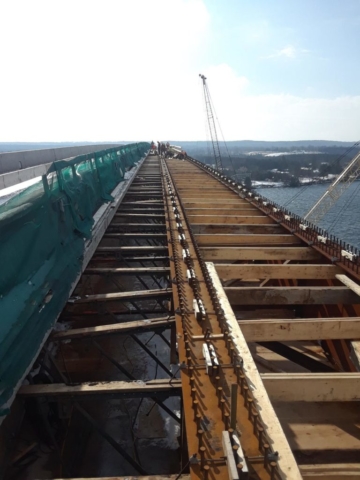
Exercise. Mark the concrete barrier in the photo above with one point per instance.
(13, 161)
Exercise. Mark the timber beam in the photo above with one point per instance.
(238, 219)
(355, 345)
(86, 390)
(144, 209)
(249, 271)
(128, 271)
(258, 253)
(331, 471)
(137, 226)
(133, 249)
(226, 228)
(233, 239)
(103, 259)
(312, 387)
(141, 215)
(147, 235)
(131, 477)
(136, 326)
(123, 296)
(291, 295)
(283, 330)
(215, 210)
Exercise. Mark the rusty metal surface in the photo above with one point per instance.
(206, 396)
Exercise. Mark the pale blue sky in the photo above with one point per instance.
(102, 70)
(302, 47)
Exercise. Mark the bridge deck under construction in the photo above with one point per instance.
(256, 320)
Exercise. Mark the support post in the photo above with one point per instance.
(233, 406)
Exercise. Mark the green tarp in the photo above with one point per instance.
(43, 231)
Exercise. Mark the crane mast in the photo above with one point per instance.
(334, 192)
(212, 127)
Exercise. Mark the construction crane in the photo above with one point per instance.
(334, 192)
(212, 127)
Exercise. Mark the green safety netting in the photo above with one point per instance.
(43, 230)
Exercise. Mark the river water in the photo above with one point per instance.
(343, 220)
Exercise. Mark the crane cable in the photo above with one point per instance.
(346, 205)
(296, 195)
(223, 138)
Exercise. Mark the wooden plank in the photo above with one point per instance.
(197, 197)
(291, 295)
(287, 465)
(130, 477)
(132, 249)
(140, 215)
(281, 330)
(355, 346)
(136, 235)
(139, 209)
(100, 330)
(349, 283)
(209, 203)
(247, 271)
(101, 388)
(205, 240)
(149, 195)
(228, 204)
(224, 211)
(100, 260)
(226, 228)
(331, 471)
(312, 387)
(258, 253)
(319, 428)
(133, 295)
(238, 219)
(128, 270)
(142, 226)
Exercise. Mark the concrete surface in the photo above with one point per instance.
(12, 161)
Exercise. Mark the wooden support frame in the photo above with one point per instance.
(136, 326)
(312, 387)
(291, 295)
(249, 212)
(101, 260)
(228, 228)
(355, 346)
(130, 227)
(239, 219)
(131, 477)
(246, 239)
(140, 215)
(147, 235)
(250, 271)
(258, 253)
(89, 389)
(128, 270)
(123, 296)
(133, 249)
(283, 330)
(331, 471)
